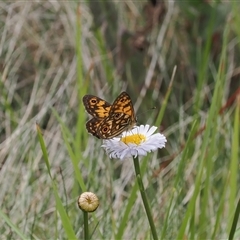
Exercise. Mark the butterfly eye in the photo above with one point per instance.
(105, 129)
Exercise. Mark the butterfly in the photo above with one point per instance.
(109, 120)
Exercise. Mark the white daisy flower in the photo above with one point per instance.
(136, 142)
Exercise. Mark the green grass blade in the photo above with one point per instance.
(234, 169)
(204, 61)
(13, 227)
(235, 222)
(59, 206)
(75, 160)
(82, 84)
(165, 101)
(213, 113)
(220, 211)
(131, 201)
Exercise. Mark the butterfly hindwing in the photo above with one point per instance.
(92, 126)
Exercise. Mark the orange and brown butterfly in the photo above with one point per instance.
(109, 120)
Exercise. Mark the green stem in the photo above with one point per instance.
(235, 221)
(144, 198)
(86, 232)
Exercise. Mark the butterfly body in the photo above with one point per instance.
(109, 120)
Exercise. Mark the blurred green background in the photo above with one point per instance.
(54, 52)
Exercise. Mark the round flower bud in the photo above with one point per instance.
(88, 202)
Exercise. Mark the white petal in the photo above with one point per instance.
(118, 149)
(144, 129)
(151, 131)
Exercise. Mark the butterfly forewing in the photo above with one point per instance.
(96, 106)
(123, 104)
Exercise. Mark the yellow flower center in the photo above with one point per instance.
(135, 138)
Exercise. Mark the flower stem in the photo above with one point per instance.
(144, 198)
(86, 232)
